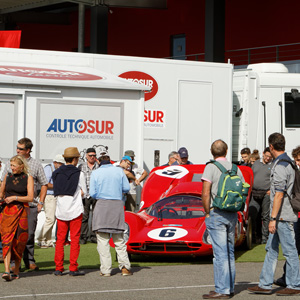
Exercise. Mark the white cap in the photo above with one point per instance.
(59, 158)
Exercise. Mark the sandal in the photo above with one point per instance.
(6, 276)
(15, 276)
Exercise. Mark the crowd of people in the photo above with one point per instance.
(274, 176)
(70, 193)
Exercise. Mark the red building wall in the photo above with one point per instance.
(263, 23)
(147, 32)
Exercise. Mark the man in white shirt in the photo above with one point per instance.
(69, 188)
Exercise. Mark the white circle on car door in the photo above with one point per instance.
(176, 172)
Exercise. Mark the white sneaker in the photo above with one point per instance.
(50, 244)
(43, 245)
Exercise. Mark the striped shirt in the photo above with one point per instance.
(87, 171)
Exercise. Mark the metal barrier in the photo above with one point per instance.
(246, 56)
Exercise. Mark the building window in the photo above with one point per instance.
(292, 110)
(178, 46)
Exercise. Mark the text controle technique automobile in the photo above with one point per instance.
(171, 219)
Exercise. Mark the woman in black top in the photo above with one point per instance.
(16, 191)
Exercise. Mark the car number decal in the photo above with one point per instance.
(176, 172)
(142, 204)
(167, 233)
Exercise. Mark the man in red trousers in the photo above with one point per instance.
(69, 188)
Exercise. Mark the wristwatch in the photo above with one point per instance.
(40, 202)
(273, 219)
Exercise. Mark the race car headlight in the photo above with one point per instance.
(206, 238)
(126, 233)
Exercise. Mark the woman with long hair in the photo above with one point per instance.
(17, 189)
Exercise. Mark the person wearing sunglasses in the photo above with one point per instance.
(86, 168)
(36, 170)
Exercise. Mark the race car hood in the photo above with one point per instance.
(166, 181)
(185, 179)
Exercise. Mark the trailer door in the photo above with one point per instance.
(195, 119)
(290, 107)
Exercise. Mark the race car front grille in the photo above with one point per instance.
(166, 247)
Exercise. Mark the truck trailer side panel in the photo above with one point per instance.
(175, 114)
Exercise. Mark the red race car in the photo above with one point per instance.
(171, 216)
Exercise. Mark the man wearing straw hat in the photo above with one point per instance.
(69, 188)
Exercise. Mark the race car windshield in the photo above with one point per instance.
(177, 207)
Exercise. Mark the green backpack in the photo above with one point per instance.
(232, 192)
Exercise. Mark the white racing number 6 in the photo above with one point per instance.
(167, 233)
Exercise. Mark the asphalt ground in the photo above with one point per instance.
(159, 282)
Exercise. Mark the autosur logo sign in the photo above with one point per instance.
(81, 126)
(46, 73)
(142, 78)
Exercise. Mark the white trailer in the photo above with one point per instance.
(265, 100)
(63, 106)
(190, 103)
(59, 107)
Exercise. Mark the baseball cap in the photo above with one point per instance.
(59, 158)
(129, 153)
(183, 152)
(103, 156)
(126, 157)
(89, 150)
(103, 153)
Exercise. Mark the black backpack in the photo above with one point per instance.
(295, 196)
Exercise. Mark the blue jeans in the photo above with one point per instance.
(297, 235)
(284, 235)
(221, 228)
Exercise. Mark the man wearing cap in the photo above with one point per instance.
(184, 155)
(69, 188)
(107, 185)
(45, 237)
(86, 168)
(140, 174)
(125, 164)
(24, 147)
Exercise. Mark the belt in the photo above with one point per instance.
(214, 208)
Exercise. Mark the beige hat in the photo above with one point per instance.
(71, 152)
(59, 158)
